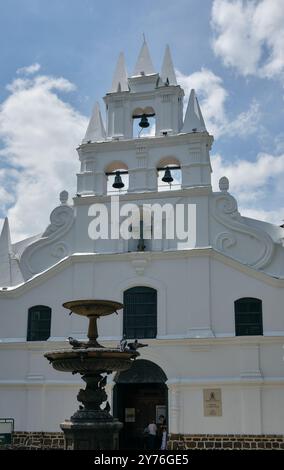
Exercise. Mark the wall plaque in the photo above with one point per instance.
(212, 402)
(129, 415)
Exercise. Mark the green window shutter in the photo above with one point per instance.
(248, 317)
(140, 312)
(39, 323)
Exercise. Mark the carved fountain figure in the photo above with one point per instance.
(92, 427)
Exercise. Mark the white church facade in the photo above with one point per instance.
(211, 311)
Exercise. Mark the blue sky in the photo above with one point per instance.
(231, 51)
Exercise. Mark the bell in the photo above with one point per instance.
(144, 121)
(167, 178)
(118, 184)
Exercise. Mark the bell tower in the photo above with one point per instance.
(152, 99)
(145, 93)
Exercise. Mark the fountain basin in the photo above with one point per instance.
(91, 308)
(84, 360)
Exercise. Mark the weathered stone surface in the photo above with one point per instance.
(38, 440)
(49, 440)
(191, 445)
(226, 441)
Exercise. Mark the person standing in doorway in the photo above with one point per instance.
(160, 428)
(164, 438)
(162, 420)
(152, 429)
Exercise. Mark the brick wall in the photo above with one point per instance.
(55, 440)
(38, 440)
(226, 441)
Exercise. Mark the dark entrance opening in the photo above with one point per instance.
(140, 396)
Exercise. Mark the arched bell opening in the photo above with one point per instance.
(140, 395)
(117, 178)
(169, 174)
(141, 231)
(144, 122)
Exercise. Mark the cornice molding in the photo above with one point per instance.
(197, 382)
(88, 199)
(149, 142)
(173, 383)
(164, 341)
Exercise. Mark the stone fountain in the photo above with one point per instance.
(92, 427)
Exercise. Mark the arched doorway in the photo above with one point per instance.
(139, 396)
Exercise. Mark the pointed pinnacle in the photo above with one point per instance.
(144, 64)
(96, 130)
(193, 121)
(120, 79)
(168, 72)
(5, 239)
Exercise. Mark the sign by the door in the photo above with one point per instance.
(129, 415)
(6, 430)
(212, 401)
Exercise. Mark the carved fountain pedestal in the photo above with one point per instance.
(91, 427)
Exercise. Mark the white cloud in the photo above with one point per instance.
(39, 134)
(249, 175)
(279, 143)
(249, 35)
(253, 183)
(212, 96)
(246, 123)
(29, 70)
(273, 216)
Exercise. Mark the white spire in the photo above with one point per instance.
(120, 81)
(168, 73)
(193, 121)
(5, 255)
(5, 239)
(96, 130)
(144, 64)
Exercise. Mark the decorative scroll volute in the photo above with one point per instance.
(225, 211)
(51, 247)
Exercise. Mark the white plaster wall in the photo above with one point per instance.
(195, 295)
(193, 421)
(194, 292)
(40, 403)
(13, 404)
(273, 410)
(228, 284)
